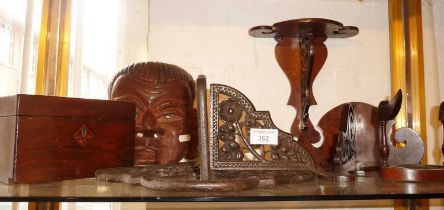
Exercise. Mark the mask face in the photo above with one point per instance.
(162, 110)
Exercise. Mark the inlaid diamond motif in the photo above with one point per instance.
(83, 136)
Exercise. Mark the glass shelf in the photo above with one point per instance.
(84, 190)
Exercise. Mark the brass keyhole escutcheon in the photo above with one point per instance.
(83, 132)
(83, 136)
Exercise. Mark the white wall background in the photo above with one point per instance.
(210, 37)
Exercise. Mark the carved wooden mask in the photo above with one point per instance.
(163, 94)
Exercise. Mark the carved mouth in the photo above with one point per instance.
(147, 149)
(144, 141)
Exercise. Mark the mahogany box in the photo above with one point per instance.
(47, 138)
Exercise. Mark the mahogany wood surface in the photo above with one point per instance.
(289, 59)
(387, 110)
(367, 138)
(414, 173)
(53, 106)
(44, 148)
(319, 27)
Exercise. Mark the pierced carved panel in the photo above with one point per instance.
(232, 117)
(345, 156)
(307, 55)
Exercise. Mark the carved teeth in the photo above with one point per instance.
(184, 138)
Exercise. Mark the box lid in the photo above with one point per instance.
(53, 106)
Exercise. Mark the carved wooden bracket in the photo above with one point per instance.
(233, 116)
(301, 53)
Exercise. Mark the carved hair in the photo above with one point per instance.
(154, 72)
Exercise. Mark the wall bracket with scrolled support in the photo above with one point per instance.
(301, 53)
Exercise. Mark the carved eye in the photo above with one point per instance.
(169, 117)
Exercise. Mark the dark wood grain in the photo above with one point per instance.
(414, 173)
(318, 27)
(204, 147)
(51, 106)
(291, 28)
(44, 148)
(165, 118)
(288, 56)
(366, 135)
(387, 110)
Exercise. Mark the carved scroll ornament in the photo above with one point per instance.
(345, 153)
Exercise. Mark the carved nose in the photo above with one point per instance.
(146, 122)
(153, 132)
